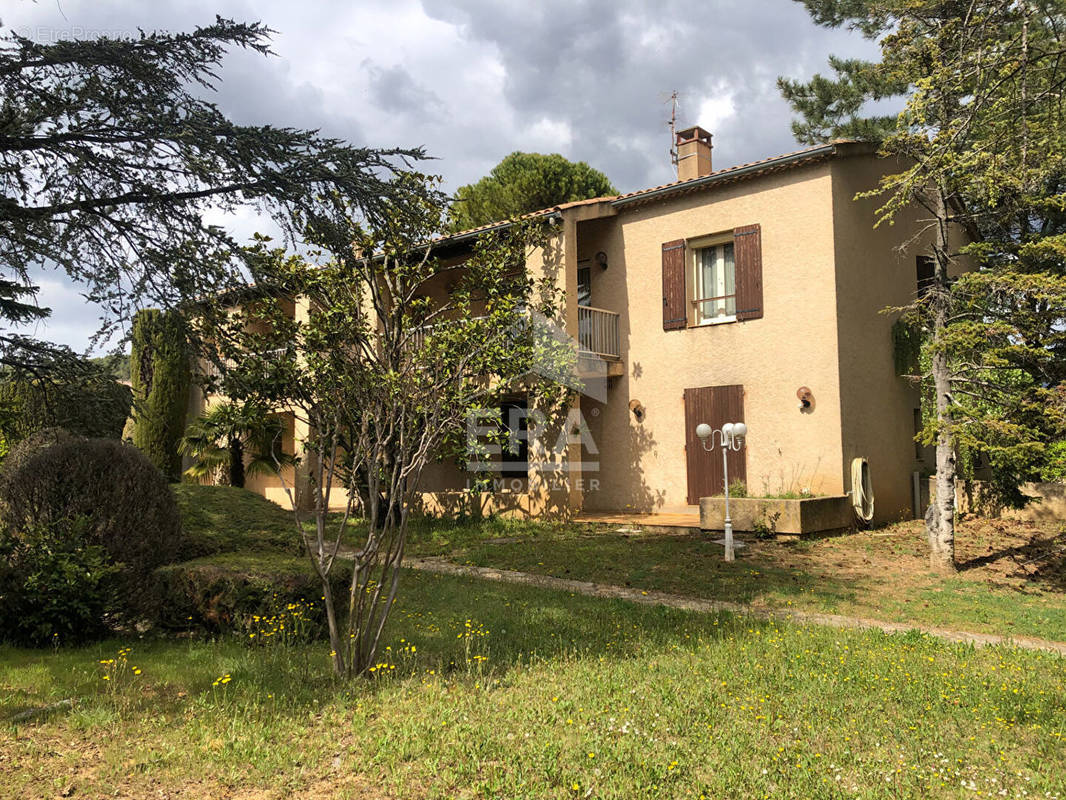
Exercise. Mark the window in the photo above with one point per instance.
(712, 279)
(715, 284)
(498, 440)
(925, 269)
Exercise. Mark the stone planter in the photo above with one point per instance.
(807, 515)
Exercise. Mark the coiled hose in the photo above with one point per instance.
(862, 491)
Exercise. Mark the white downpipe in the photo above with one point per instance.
(862, 491)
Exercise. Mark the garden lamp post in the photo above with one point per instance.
(731, 437)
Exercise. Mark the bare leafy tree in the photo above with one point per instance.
(382, 373)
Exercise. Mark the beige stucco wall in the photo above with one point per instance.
(643, 465)
(827, 274)
(447, 485)
(271, 487)
(875, 270)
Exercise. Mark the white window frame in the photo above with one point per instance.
(719, 243)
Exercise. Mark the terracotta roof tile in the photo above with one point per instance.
(538, 213)
(748, 170)
(783, 161)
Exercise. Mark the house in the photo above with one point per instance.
(755, 293)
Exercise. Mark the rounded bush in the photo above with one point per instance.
(35, 442)
(126, 503)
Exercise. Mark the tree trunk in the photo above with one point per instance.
(940, 523)
(319, 557)
(236, 463)
(336, 647)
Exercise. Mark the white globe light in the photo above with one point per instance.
(740, 429)
(703, 430)
(727, 430)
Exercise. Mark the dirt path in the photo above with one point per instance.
(445, 567)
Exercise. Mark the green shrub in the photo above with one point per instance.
(225, 592)
(56, 586)
(766, 528)
(93, 404)
(127, 504)
(738, 488)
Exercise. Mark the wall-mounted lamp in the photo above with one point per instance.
(806, 400)
(638, 410)
(601, 259)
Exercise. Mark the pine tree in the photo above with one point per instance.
(522, 183)
(982, 144)
(112, 156)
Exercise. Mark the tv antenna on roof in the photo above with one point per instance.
(672, 124)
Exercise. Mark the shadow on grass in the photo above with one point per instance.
(1041, 561)
(686, 565)
(459, 627)
(472, 630)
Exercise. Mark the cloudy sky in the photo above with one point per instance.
(473, 80)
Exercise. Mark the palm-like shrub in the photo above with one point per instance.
(233, 441)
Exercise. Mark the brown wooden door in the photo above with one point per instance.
(715, 405)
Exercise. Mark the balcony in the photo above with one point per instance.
(211, 370)
(597, 332)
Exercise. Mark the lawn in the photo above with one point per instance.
(515, 692)
(1011, 580)
(506, 691)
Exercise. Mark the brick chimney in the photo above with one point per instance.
(693, 153)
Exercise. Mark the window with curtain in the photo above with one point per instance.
(715, 284)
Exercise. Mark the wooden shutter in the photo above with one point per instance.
(747, 255)
(675, 315)
(715, 405)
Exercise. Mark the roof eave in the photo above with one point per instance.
(466, 236)
(725, 176)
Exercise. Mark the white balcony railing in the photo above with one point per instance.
(211, 370)
(597, 332)
(416, 337)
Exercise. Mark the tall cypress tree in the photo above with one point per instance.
(160, 373)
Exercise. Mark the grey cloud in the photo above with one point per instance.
(606, 66)
(473, 80)
(393, 89)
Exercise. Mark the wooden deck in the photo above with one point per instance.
(652, 523)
